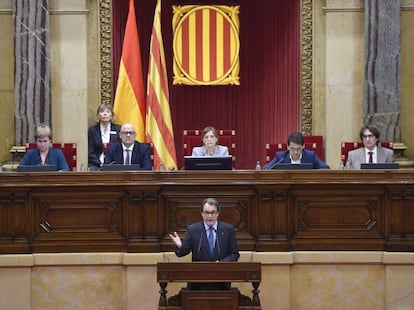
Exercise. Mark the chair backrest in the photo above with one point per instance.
(192, 138)
(346, 147)
(69, 151)
(314, 143)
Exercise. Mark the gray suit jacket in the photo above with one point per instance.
(358, 156)
(220, 150)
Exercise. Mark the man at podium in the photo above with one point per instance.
(208, 240)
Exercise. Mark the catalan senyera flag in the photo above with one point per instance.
(129, 104)
(159, 125)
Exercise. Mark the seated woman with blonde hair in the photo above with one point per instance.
(44, 154)
(210, 147)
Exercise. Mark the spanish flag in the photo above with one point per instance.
(129, 104)
(159, 124)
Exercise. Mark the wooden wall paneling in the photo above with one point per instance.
(271, 210)
(14, 226)
(323, 216)
(400, 221)
(144, 207)
(271, 218)
(78, 219)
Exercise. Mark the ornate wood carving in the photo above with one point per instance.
(271, 210)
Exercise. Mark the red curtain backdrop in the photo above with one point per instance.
(265, 108)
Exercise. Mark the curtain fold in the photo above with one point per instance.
(32, 67)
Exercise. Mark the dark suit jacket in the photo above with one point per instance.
(140, 155)
(308, 156)
(95, 144)
(195, 241)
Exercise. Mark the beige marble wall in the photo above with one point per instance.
(339, 69)
(6, 80)
(339, 73)
(291, 280)
(407, 75)
(74, 72)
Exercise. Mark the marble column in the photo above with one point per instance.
(382, 67)
(32, 67)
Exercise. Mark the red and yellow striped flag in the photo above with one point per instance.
(159, 125)
(129, 105)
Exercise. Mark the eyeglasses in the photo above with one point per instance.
(368, 136)
(128, 133)
(207, 213)
(294, 149)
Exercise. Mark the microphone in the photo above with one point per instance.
(199, 243)
(14, 158)
(217, 241)
(277, 163)
(110, 164)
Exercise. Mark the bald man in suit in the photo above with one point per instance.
(369, 135)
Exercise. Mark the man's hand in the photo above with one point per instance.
(176, 238)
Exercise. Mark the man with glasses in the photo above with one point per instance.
(208, 240)
(129, 151)
(370, 152)
(296, 154)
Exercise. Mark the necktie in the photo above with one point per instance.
(370, 157)
(127, 157)
(211, 239)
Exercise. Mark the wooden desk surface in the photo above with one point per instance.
(209, 272)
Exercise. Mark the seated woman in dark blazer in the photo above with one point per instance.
(105, 131)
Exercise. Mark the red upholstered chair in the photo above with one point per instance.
(69, 151)
(346, 147)
(314, 143)
(192, 138)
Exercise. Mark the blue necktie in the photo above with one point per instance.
(211, 239)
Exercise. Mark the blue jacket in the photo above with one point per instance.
(308, 156)
(140, 155)
(54, 157)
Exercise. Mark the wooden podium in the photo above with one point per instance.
(209, 272)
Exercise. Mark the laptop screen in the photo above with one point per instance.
(39, 168)
(121, 167)
(288, 166)
(208, 163)
(380, 165)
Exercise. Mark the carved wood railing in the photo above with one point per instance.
(270, 210)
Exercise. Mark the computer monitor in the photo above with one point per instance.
(37, 168)
(380, 165)
(208, 163)
(121, 167)
(289, 166)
